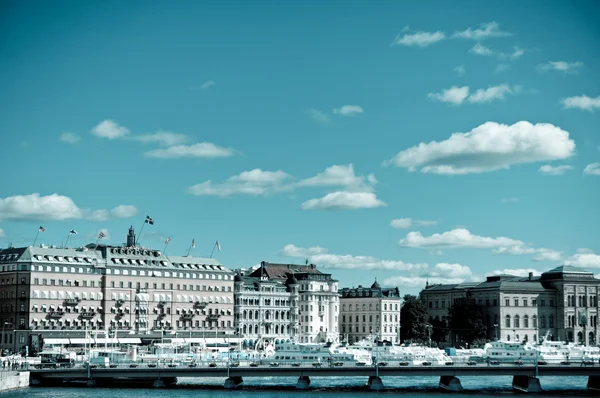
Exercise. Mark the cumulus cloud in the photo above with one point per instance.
(555, 170)
(456, 238)
(486, 30)
(318, 116)
(592, 169)
(582, 102)
(70, 138)
(304, 252)
(491, 93)
(121, 211)
(419, 281)
(349, 110)
(110, 129)
(460, 70)
(341, 176)
(584, 259)
(2, 233)
(162, 137)
(253, 182)
(561, 66)
(480, 49)
(452, 270)
(454, 95)
(347, 261)
(488, 147)
(199, 150)
(522, 272)
(419, 39)
(343, 200)
(540, 254)
(402, 223)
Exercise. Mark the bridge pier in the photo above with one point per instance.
(233, 382)
(91, 383)
(593, 383)
(158, 383)
(303, 383)
(527, 384)
(450, 383)
(375, 383)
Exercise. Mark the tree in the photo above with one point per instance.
(465, 319)
(439, 331)
(413, 320)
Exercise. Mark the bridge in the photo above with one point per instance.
(525, 376)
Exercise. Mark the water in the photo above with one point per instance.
(326, 387)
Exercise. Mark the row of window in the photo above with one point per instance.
(516, 321)
(583, 301)
(371, 330)
(364, 318)
(357, 307)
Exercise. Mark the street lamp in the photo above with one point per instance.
(429, 327)
(495, 332)
(2, 338)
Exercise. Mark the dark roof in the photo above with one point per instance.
(281, 271)
(375, 285)
(567, 269)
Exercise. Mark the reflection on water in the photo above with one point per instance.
(271, 387)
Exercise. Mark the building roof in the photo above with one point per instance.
(281, 271)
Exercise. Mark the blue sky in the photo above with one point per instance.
(309, 130)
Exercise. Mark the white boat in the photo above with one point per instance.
(410, 354)
(301, 354)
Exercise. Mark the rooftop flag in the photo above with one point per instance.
(42, 229)
(101, 235)
(218, 246)
(149, 220)
(193, 243)
(168, 240)
(73, 232)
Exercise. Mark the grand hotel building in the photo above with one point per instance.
(59, 293)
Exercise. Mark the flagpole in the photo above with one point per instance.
(67, 241)
(140, 234)
(213, 250)
(189, 249)
(36, 236)
(165, 250)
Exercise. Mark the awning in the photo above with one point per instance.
(82, 341)
(56, 341)
(177, 340)
(130, 340)
(103, 340)
(194, 340)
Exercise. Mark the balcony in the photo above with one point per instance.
(119, 302)
(161, 304)
(71, 301)
(213, 317)
(199, 305)
(187, 317)
(87, 315)
(55, 314)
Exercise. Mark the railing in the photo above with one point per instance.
(72, 301)
(55, 314)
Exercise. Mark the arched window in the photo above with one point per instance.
(525, 321)
(551, 321)
(543, 321)
(535, 324)
(507, 321)
(517, 323)
(364, 307)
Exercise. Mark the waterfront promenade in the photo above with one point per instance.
(524, 376)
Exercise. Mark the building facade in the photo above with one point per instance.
(49, 292)
(317, 302)
(367, 312)
(561, 304)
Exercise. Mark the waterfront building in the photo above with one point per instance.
(266, 310)
(317, 302)
(60, 294)
(373, 311)
(561, 304)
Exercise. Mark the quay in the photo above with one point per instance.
(524, 376)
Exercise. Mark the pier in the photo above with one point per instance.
(525, 377)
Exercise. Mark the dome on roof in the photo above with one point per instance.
(237, 278)
(291, 280)
(375, 285)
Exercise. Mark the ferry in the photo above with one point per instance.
(408, 354)
(301, 354)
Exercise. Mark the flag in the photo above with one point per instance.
(101, 235)
(218, 246)
(42, 229)
(168, 240)
(193, 243)
(149, 220)
(73, 232)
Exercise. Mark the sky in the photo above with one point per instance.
(399, 141)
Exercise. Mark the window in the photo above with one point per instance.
(517, 325)
(507, 302)
(516, 302)
(534, 303)
(507, 321)
(525, 321)
(535, 325)
(524, 302)
(551, 321)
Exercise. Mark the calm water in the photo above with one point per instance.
(329, 387)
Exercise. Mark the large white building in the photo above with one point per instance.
(318, 299)
(373, 311)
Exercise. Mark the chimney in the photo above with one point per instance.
(530, 275)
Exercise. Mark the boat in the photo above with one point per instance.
(317, 355)
(407, 354)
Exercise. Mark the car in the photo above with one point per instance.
(426, 363)
(133, 365)
(317, 364)
(112, 366)
(172, 365)
(403, 363)
(494, 362)
(519, 362)
(542, 363)
(382, 363)
(254, 364)
(274, 364)
(152, 365)
(471, 363)
(449, 363)
(338, 363)
(192, 365)
(234, 364)
(565, 363)
(212, 365)
(296, 364)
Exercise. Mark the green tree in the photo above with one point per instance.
(439, 331)
(413, 320)
(465, 319)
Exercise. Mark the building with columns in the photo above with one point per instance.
(56, 294)
(370, 312)
(561, 304)
(318, 301)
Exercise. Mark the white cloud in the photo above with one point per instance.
(456, 238)
(491, 93)
(121, 211)
(407, 222)
(347, 261)
(586, 260)
(522, 272)
(488, 147)
(592, 169)
(517, 53)
(485, 31)
(502, 67)
(510, 200)
(2, 233)
(480, 49)
(200, 150)
(562, 66)
(349, 110)
(162, 137)
(110, 129)
(253, 182)
(36, 207)
(582, 102)
(318, 116)
(541, 254)
(453, 270)
(454, 95)
(460, 70)
(343, 200)
(70, 138)
(517, 250)
(420, 39)
(207, 84)
(547, 255)
(295, 251)
(341, 176)
(555, 170)
(419, 281)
